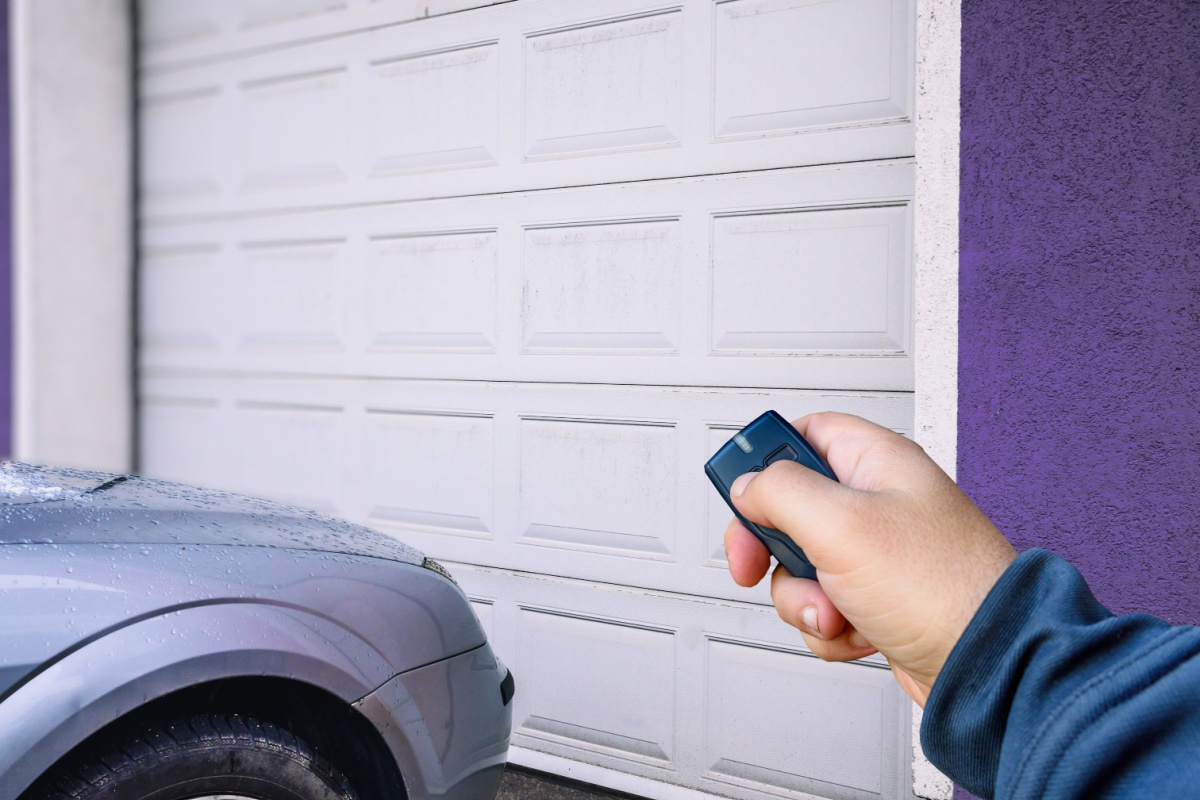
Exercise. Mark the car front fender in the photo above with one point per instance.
(447, 725)
(112, 674)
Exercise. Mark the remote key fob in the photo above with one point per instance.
(758, 445)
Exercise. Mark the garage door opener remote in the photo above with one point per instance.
(754, 448)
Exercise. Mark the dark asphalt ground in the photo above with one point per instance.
(523, 784)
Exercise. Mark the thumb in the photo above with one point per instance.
(810, 508)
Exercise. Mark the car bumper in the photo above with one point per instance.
(447, 725)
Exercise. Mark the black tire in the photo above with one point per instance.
(198, 757)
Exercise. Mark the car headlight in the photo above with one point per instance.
(430, 564)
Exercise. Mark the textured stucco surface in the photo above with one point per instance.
(1079, 288)
(935, 251)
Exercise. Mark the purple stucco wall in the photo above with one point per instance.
(1079, 365)
(6, 315)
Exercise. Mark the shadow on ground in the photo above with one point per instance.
(522, 784)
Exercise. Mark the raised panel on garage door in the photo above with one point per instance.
(531, 94)
(716, 695)
(597, 483)
(791, 279)
(179, 32)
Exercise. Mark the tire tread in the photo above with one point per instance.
(86, 776)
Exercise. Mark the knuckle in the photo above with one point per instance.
(823, 419)
(782, 473)
(894, 448)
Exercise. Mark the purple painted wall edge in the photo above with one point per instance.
(1079, 359)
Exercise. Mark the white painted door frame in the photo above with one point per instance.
(73, 210)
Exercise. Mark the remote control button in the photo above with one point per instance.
(780, 454)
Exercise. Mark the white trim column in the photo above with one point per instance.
(936, 272)
(72, 85)
(936, 230)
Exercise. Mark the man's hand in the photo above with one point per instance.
(903, 557)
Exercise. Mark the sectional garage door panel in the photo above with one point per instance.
(592, 482)
(180, 32)
(527, 95)
(788, 278)
(688, 690)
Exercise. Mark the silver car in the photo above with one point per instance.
(162, 642)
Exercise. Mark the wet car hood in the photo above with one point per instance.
(83, 554)
(64, 506)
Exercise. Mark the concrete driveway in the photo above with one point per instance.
(520, 784)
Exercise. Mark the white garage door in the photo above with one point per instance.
(497, 280)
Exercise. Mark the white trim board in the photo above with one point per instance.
(72, 231)
(936, 230)
(935, 279)
(21, 150)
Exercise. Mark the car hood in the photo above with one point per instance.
(83, 554)
(50, 505)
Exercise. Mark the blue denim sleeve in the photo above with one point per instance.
(1048, 695)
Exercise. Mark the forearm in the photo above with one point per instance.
(1048, 694)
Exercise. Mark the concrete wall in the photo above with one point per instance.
(1079, 361)
(73, 216)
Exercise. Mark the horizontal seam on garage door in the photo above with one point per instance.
(201, 219)
(165, 67)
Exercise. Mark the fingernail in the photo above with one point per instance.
(809, 618)
(858, 640)
(740, 484)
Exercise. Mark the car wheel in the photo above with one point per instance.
(214, 757)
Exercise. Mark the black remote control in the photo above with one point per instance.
(754, 448)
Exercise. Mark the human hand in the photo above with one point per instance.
(903, 557)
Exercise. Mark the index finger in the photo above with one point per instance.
(856, 448)
(747, 557)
